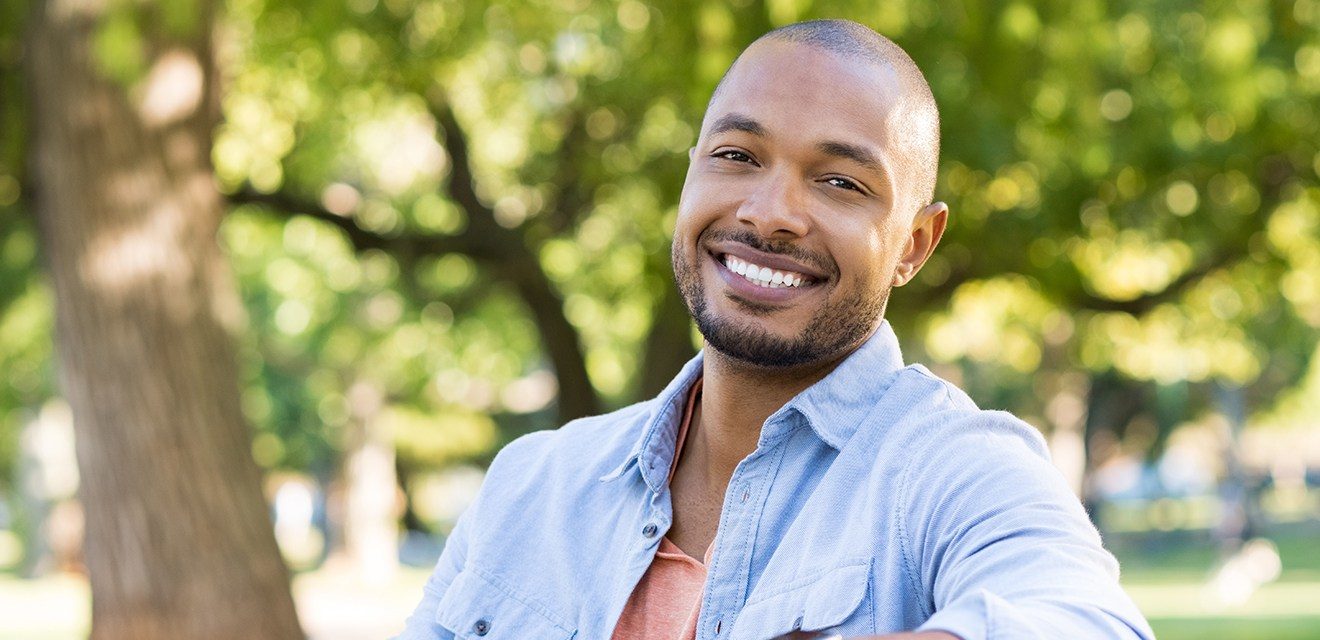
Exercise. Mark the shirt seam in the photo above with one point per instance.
(520, 599)
(901, 506)
(870, 600)
(809, 580)
(749, 542)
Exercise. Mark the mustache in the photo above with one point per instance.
(781, 247)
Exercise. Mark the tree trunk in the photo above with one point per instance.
(560, 339)
(179, 542)
(1112, 401)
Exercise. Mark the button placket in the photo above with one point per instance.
(735, 538)
(733, 524)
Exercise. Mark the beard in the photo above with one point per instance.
(836, 327)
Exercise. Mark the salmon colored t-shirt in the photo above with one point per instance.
(666, 602)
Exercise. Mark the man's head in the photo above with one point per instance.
(816, 160)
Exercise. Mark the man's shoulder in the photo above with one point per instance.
(582, 447)
(948, 444)
(941, 415)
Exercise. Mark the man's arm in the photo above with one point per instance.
(421, 625)
(993, 533)
(915, 635)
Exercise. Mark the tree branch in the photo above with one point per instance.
(1144, 303)
(572, 197)
(521, 266)
(1275, 173)
(504, 251)
(462, 182)
(410, 246)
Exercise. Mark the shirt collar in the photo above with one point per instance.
(836, 405)
(833, 407)
(653, 452)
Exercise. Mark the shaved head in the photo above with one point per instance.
(914, 119)
(808, 196)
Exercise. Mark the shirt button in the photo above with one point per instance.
(649, 530)
(745, 495)
(719, 624)
(481, 627)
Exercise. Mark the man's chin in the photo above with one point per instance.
(751, 344)
(744, 306)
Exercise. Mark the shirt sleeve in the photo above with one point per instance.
(1001, 546)
(422, 625)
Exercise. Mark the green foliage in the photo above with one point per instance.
(26, 376)
(25, 324)
(119, 47)
(128, 34)
(1133, 189)
(181, 18)
(1113, 170)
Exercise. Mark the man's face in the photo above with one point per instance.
(796, 212)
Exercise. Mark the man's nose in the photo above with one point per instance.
(777, 208)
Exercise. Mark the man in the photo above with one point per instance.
(795, 478)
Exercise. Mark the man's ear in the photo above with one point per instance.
(927, 229)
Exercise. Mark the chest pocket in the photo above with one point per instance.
(828, 602)
(477, 607)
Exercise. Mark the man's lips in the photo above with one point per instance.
(775, 262)
(764, 285)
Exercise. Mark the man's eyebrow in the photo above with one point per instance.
(858, 154)
(737, 122)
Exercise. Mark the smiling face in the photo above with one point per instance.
(798, 213)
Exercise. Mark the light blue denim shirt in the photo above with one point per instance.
(879, 499)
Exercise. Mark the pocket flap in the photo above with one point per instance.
(475, 606)
(818, 604)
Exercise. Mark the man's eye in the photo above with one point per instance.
(736, 156)
(843, 183)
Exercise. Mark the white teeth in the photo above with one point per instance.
(763, 276)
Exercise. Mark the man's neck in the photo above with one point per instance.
(736, 400)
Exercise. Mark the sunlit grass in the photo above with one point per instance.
(1179, 600)
(1281, 628)
(1167, 576)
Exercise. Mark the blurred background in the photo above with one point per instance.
(386, 237)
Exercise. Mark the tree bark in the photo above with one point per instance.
(179, 542)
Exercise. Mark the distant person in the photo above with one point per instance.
(795, 479)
